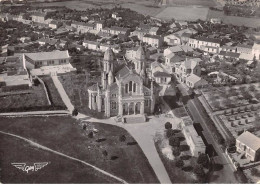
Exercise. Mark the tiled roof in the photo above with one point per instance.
(124, 71)
(229, 54)
(193, 78)
(94, 87)
(119, 28)
(48, 55)
(250, 140)
(212, 40)
(39, 14)
(152, 36)
(161, 74)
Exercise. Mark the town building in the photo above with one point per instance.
(249, 146)
(38, 17)
(188, 72)
(82, 27)
(194, 141)
(210, 45)
(124, 90)
(256, 51)
(114, 30)
(159, 74)
(153, 40)
(55, 24)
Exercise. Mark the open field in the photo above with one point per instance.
(59, 169)
(184, 13)
(206, 3)
(234, 20)
(231, 97)
(33, 100)
(142, 6)
(124, 159)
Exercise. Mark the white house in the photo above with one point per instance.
(249, 145)
(256, 51)
(153, 40)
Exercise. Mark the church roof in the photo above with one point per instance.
(94, 87)
(122, 72)
(113, 86)
(109, 55)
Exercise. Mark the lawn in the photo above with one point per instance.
(34, 99)
(58, 170)
(54, 95)
(124, 159)
(76, 86)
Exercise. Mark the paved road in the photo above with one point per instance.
(225, 175)
(63, 93)
(39, 146)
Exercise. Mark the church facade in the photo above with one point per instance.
(124, 90)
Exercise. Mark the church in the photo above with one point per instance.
(124, 90)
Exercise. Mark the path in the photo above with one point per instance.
(63, 155)
(36, 113)
(142, 132)
(62, 93)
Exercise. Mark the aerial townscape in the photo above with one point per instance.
(125, 91)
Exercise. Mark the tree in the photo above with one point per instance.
(176, 151)
(91, 134)
(203, 160)
(122, 138)
(168, 125)
(84, 127)
(179, 163)
(199, 171)
(75, 112)
(174, 141)
(169, 133)
(254, 172)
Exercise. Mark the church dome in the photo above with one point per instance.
(140, 53)
(109, 55)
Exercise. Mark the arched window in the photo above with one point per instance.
(134, 89)
(130, 86)
(126, 88)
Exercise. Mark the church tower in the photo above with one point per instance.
(139, 61)
(108, 68)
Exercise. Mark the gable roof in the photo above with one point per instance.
(250, 140)
(48, 55)
(123, 72)
(193, 78)
(161, 74)
(212, 40)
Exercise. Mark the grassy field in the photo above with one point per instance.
(184, 13)
(76, 86)
(59, 169)
(234, 20)
(64, 134)
(54, 95)
(36, 98)
(206, 3)
(142, 6)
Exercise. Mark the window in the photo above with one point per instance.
(130, 86)
(113, 105)
(95, 99)
(50, 62)
(103, 102)
(134, 90)
(113, 95)
(146, 103)
(126, 88)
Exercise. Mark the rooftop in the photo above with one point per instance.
(250, 140)
(48, 55)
